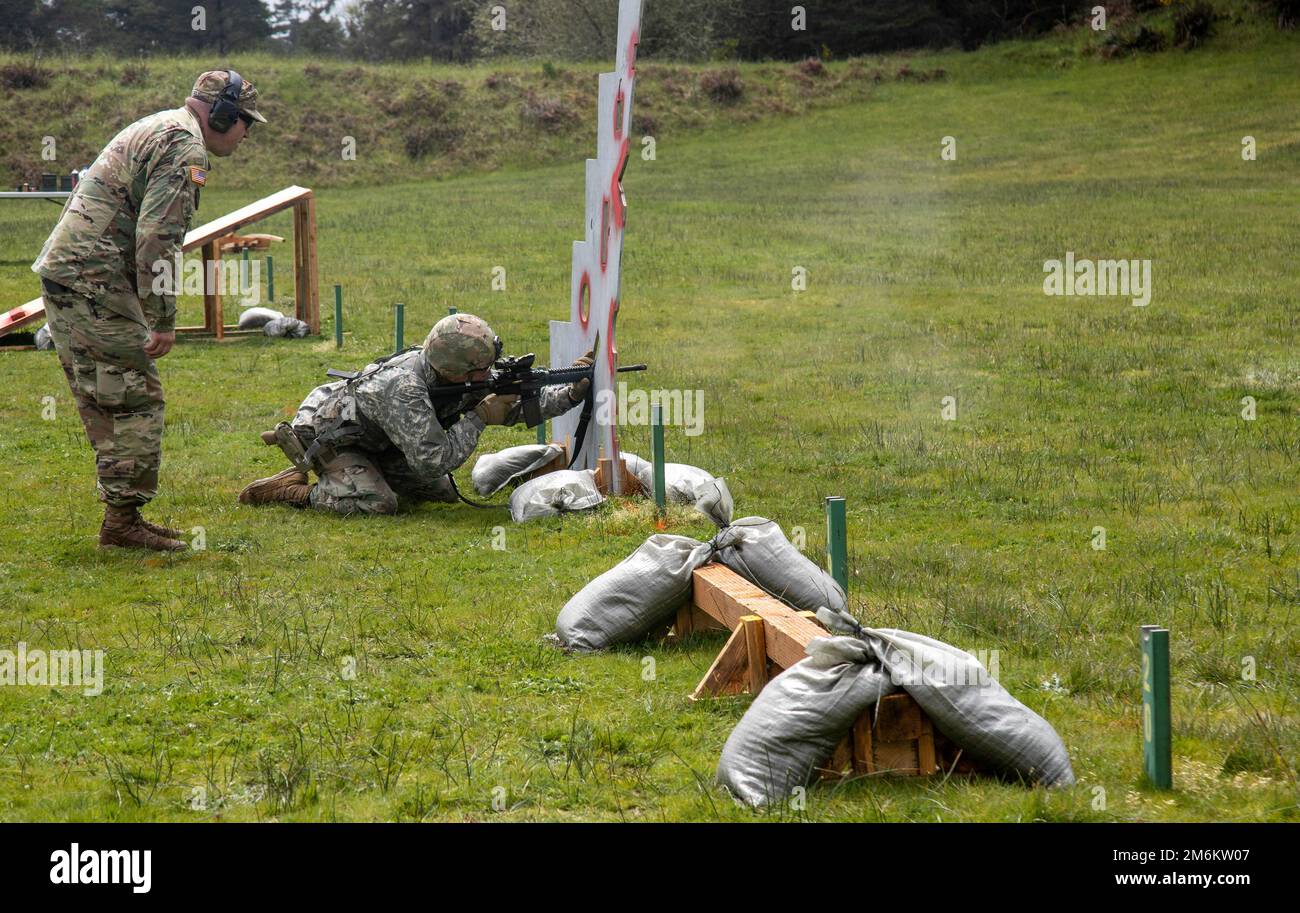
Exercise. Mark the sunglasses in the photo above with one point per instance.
(248, 121)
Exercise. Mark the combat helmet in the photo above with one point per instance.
(459, 344)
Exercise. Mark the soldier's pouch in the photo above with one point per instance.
(117, 387)
(121, 304)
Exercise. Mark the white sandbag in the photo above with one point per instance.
(755, 548)
(256, 318)
(713, 499)
(681, 481)
(971, 708)
(555, 493)
(798, 718)
(44, 341)
(286, 327)
(634, 597)
(493, 471)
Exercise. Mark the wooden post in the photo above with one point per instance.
(756, 653)
(312, 304)
(837, 550)
(1156, 736)
(214, 318)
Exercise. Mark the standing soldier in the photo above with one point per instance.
(108, 319)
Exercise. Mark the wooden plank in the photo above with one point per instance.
(726, 596)
(726, 675)
(256, 211)
(864, 759)
(926, 761)
(841, 760)
(755, 653)
(897, 757)
(898, 719)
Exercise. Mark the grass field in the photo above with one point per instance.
(223, 667)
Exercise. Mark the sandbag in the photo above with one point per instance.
(555, 493)
(755, 548)
(798, 718)
(286, 327)
(634, 597)
(44, 341)
(493, 471)
(256, 318)
(681, 481)
(713, 499)
(971, 708)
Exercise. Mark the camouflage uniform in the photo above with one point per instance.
(130, 210)
(393, 441)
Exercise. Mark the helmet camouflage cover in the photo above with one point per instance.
(459, 344)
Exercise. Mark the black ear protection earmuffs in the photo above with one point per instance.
(225, 110)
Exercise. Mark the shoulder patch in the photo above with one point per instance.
(198, 175)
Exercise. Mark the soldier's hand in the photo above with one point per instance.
(578, 389)
(159, 344)
(495, 410)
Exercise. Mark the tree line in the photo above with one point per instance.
(467, 30)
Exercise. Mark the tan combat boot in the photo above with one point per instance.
(124, 528)
(165, 531)
(288, 487)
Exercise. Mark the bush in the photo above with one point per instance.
(723, 86)
(1144, 40)
(812, 66)
(550, 114)
(24, 76)
(1285, 12)
(1193, 25)
(134, 74)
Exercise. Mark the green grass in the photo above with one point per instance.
(223, 667)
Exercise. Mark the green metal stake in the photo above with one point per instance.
(1156, 740)
(657, 454)
(399, 326)
(837, 541)
(270, 280)
(338, 316)
(541, 432)
(451, 310)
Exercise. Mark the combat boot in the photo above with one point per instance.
(165, 531)
(288, 487)
(124, 528)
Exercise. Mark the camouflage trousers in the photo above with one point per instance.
(357, 481)
(117, 389)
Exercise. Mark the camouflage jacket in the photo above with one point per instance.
(392, 408)
(131, 209)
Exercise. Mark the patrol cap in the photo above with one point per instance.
(459, 344)
(208, 86)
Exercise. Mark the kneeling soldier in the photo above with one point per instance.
(381, 436)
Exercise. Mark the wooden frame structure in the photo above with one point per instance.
(210, 239)
(767, 637)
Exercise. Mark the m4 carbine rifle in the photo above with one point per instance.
(515, 375)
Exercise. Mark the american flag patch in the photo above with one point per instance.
(198, 175)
